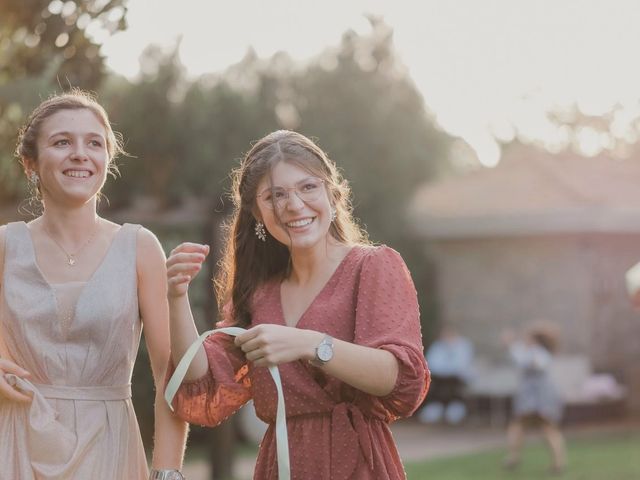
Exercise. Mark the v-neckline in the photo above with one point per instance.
(304, 313)
(49, 284)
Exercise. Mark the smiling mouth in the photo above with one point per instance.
(300, 223)
(77, 173)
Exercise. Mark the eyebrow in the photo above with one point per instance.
(89, 134)
(297, 183)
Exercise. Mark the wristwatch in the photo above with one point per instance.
(166, 475)
(324, 351)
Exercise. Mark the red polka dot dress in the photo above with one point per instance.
(335, 431)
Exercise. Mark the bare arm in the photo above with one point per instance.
(184, 263)
(372, 370)
(170, 431)
(6, 362)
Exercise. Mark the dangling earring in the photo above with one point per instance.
(261, 233)
(33, 178)
(333, 214)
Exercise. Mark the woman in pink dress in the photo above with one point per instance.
(338, 316)
(75, 292)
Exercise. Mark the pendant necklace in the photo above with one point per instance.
(71, 257)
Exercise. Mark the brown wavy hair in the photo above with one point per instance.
(249, 262)
(545, 334)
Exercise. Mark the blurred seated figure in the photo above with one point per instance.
(449, 359)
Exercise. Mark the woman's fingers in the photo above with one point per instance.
(7, 391)
(188, 247)
(7, 366)
(183, 269)
(253, 355)
(247, 336)
(250, 345)
(185, 258)
(184, 263)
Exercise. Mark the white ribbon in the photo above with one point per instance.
(282, 440)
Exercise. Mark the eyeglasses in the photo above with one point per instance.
(307, 190)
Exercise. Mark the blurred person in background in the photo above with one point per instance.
(450, 360)
(537, 402)
(338, 316)
(76, 290)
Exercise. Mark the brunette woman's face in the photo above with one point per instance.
(294, 206)
(72, 157)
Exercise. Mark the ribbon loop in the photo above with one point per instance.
(282, 438)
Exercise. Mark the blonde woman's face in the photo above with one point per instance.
(294, 206)
(72, 156)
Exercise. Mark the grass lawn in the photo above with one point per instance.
(605, 457)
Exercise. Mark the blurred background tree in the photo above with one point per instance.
(47, 46)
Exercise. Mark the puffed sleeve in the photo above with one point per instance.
(222, 391)
(388, 317)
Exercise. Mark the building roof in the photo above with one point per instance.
(533, 192)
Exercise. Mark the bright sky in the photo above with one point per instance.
(482, 65)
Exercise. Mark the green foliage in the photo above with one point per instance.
(379, 132)
(35, 33)
(46, 46)
(357, 101)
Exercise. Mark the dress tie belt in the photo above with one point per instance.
(53, 446)
(350, 438)
(97, 393)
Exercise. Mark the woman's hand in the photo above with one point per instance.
(7, 391)
(184, 263)
(269, 345)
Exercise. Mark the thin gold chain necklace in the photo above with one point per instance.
(71, 257)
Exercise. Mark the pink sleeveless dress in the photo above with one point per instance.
(79, 342)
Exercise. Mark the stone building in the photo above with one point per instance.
(540, 236)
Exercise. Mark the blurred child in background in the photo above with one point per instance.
(537, 402)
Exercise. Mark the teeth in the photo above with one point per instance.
(77, 173)
(300, 223)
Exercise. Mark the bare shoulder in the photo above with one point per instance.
(148, 248)
(147, 238)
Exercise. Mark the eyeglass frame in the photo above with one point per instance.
(272, 205)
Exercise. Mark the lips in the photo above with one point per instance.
(303, 222)
(76, 173)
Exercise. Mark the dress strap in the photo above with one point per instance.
(18, 244)
(20, 256)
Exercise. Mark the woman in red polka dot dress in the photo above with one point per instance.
(338, 316)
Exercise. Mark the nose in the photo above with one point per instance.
(79, 152)
(293, 200)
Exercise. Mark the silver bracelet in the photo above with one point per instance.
(165, 475)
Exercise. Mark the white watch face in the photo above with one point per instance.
(325, 352)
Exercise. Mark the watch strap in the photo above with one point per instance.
(165, 475)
